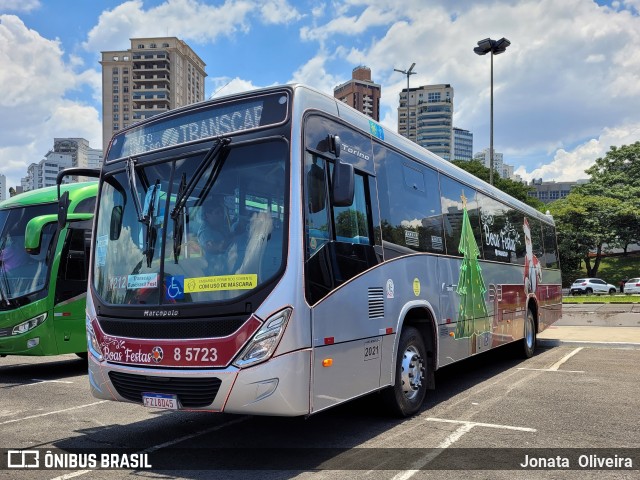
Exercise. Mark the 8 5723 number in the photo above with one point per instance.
(195, 354)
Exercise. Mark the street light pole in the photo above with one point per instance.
(407, 73)
(495, 47)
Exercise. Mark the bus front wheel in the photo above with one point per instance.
(405, 397)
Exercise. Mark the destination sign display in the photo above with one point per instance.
(206, 122)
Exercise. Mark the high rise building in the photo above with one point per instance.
(44, 173)
(155, 75)
(462, 144)
(425, 116)
(361, 93)
(500, 168)
(82, 155)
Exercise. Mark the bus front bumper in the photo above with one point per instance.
(279, 386)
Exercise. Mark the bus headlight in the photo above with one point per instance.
(92, 343)
(29, 324)
(265, 341)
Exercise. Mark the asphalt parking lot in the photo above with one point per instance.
(486, 414)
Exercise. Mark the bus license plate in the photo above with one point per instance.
(160, 400)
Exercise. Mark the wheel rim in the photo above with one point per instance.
(412, 372)
(528, 332)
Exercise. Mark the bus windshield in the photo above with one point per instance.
(200, 227)
(22, 274)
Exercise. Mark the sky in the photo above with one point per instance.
(565, 90)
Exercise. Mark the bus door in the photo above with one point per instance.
(71, 289)
(348, 312)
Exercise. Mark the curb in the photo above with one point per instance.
(552, 342)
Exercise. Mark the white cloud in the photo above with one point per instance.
(570, 165)
(279, 12)
(315, 74)
(569, 75)
(223, 86)
(19, 5)
(34, 80)
(189, 20)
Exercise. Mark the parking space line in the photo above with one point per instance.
(52, 413)
(165, 444)
(550, 370)
(464, 428)
(557, 365)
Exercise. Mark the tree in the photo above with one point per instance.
(617, 175)
(515, 189)
(584, 224)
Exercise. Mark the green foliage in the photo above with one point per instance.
(602, 213)
(515, 189)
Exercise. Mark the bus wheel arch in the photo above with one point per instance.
(414, 364)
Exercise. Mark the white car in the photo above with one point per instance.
(632, 286)
(590, 286)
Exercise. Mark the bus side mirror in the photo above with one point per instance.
(33, 230)
(342, 184)
(63, 208)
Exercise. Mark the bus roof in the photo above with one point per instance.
(308, 98)
(77, 191)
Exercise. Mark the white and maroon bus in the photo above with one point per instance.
(353, 261)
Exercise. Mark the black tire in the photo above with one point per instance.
(589, 291)
(407, 395)
(82, 355)
(528, 345)
(612, 291)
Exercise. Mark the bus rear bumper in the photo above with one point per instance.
(279, 386)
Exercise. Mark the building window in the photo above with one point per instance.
(153, 45)
(116, 117)
(116, 98)
(125, 89)
(115, 89)
(115, 108)
(125, 71)
(115, 58)
(116, 127)
(125, 58)
(141, 45)
(115, 79)
(165, 45)
(125, 80)
(114, 70)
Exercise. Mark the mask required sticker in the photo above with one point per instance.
(221, 282)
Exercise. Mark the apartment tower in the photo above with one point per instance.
(425, 116)
(361, 93)
(155, 75)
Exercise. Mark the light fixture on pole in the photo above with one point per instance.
(407, 73)
(495, 47)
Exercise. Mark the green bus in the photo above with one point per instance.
(43, 271)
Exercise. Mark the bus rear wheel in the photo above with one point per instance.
(529, 340)
(405, 397)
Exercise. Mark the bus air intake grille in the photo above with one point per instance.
(159, 329)
(376, 302)
(191, 392)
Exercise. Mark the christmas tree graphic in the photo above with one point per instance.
(472, 315)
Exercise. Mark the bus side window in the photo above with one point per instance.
(352, 222)
(317, 227)
(74, 264)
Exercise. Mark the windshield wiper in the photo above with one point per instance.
(133, 187)
(211, 155)
(178, 221)
(151, 229)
